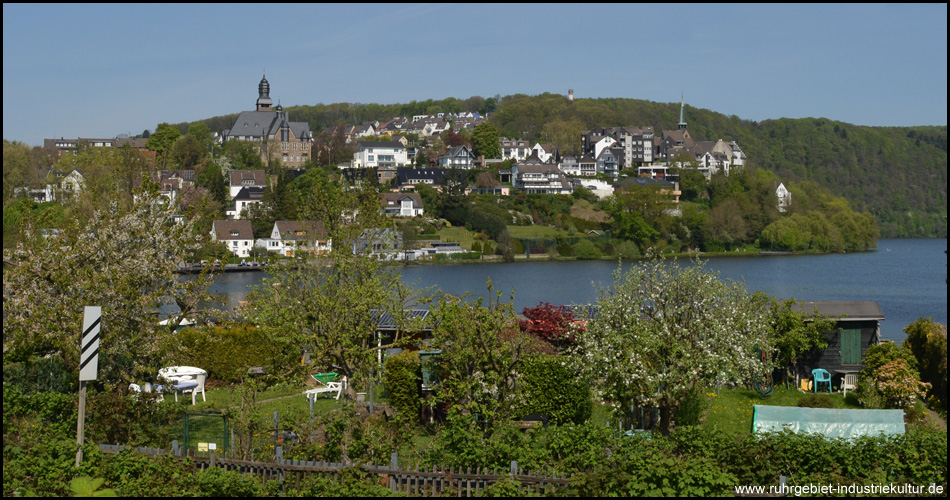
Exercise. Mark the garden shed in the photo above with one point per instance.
(857, 329)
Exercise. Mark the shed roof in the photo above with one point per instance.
(848, 310)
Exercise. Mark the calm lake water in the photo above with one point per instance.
(903, 275)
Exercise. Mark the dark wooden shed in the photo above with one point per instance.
(858, 328)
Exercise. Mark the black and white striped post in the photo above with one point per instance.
(88, 365)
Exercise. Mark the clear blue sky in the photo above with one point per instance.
(75, 70)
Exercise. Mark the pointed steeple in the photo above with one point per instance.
(682, 124)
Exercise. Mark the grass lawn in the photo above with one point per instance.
(731, 410)
(535, 232)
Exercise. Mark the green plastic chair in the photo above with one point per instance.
(821, 376)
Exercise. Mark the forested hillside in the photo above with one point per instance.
(898, 174)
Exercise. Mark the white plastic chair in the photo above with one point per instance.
(849, 381)
(200, 378)
(329, 387)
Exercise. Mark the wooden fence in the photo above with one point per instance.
(427, 481)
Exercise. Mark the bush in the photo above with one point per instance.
(816, 401)
(627, 250)
(40, 375)
(564, 248)
(226, 352)
(928, 342)
(889, 378)
(692, 410)
(586, 250)
(898, 384)
(403, 378)
(550, 388)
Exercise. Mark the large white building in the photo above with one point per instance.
(372, 154)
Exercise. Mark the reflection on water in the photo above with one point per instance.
(907, 278)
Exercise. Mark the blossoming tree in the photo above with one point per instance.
(663, 330)
(122, 260)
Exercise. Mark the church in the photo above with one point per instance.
(276, 136)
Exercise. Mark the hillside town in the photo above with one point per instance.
(404, 152)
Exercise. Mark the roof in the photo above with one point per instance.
(380, 144)
(261, 123)
(385, 320)
(387, 198)
(249, 193)
(642, 181)
(233, 230)
(239, 176)
(863, 310)
(306, 230)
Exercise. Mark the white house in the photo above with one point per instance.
(246, 198)
(73, 183)
(457, 157)
(544, 154)
(569, 165)
(602, 143)
(541, 179)
(402, 204)
(289, 237)
(514, 149)
(238, 235)
(784, 197)
(372, 154)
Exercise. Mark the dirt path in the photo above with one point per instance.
(934, 419)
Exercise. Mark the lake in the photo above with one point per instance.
(902, 275)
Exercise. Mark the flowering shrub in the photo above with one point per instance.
(898, 384)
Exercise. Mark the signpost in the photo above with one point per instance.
(88, 365)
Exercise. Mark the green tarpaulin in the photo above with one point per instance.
(829, 422)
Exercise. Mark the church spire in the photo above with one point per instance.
(682, 124)
(264, 101)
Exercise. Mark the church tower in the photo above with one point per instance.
(263, 101)
(682, 124)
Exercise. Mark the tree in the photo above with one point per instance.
(485, 141)
(927, 340)
(663, 331)
(549, 322)
(629, 223)
(329, 306)
(187, 152)
(488, 106)
(724, 225)
(162, 140)
(329, 146)
(124, 261)
(797, 333)
(243, 155)
(16, 169)
(565, 136)
(482, 348)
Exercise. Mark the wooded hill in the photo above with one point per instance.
(898, 174)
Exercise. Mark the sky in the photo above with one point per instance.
(101, 70)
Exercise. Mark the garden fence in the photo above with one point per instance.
(425, 481)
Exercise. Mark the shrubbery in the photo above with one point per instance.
(586, 250)
(550, 388)
(403, 378)
(226, 352)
